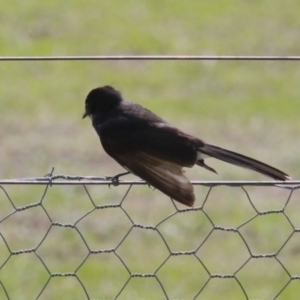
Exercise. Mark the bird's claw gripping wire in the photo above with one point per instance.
(115, 179)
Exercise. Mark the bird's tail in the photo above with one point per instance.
(241, 161)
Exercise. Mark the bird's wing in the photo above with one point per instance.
(169, 143)
(156, 139)
(165, 176)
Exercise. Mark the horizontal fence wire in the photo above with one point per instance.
(119, 233)
(151, 57)
(95, 180)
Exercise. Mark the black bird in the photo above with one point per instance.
(154, 150)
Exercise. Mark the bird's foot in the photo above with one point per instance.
(115, 179)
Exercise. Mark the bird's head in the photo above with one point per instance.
(101, 99)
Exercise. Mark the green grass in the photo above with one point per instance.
(251, 107)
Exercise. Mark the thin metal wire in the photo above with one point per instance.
(150, 57)
(92, 180)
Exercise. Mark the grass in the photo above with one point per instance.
(251, 107)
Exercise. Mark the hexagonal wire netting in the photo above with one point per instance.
(241, 242)
(74, 237)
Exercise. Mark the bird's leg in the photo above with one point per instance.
(115, 179)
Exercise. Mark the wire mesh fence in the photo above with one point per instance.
(82, 237)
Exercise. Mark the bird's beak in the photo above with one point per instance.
(85, 115)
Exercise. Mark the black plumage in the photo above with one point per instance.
(152, 149)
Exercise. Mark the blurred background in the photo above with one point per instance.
(250, 107)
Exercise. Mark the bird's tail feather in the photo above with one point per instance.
(242, 161)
